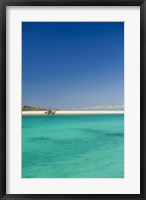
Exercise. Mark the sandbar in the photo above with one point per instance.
(59, 112)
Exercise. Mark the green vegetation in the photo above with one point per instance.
(37, 108)
(32, 108)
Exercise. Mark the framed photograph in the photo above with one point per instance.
(73, 99)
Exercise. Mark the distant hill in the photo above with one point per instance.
(34, 108)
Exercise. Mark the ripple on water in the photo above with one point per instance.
(114, 135)
(38, 139)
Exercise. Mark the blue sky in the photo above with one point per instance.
(73, 65)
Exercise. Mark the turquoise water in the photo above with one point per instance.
(73, 146)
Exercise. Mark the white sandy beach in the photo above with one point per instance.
(75, 112)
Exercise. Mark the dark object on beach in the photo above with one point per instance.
(50, 112)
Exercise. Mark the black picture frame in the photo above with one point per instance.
(3, 182)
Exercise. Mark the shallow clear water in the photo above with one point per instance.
(73, 146)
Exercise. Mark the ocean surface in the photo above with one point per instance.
(73, 146)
